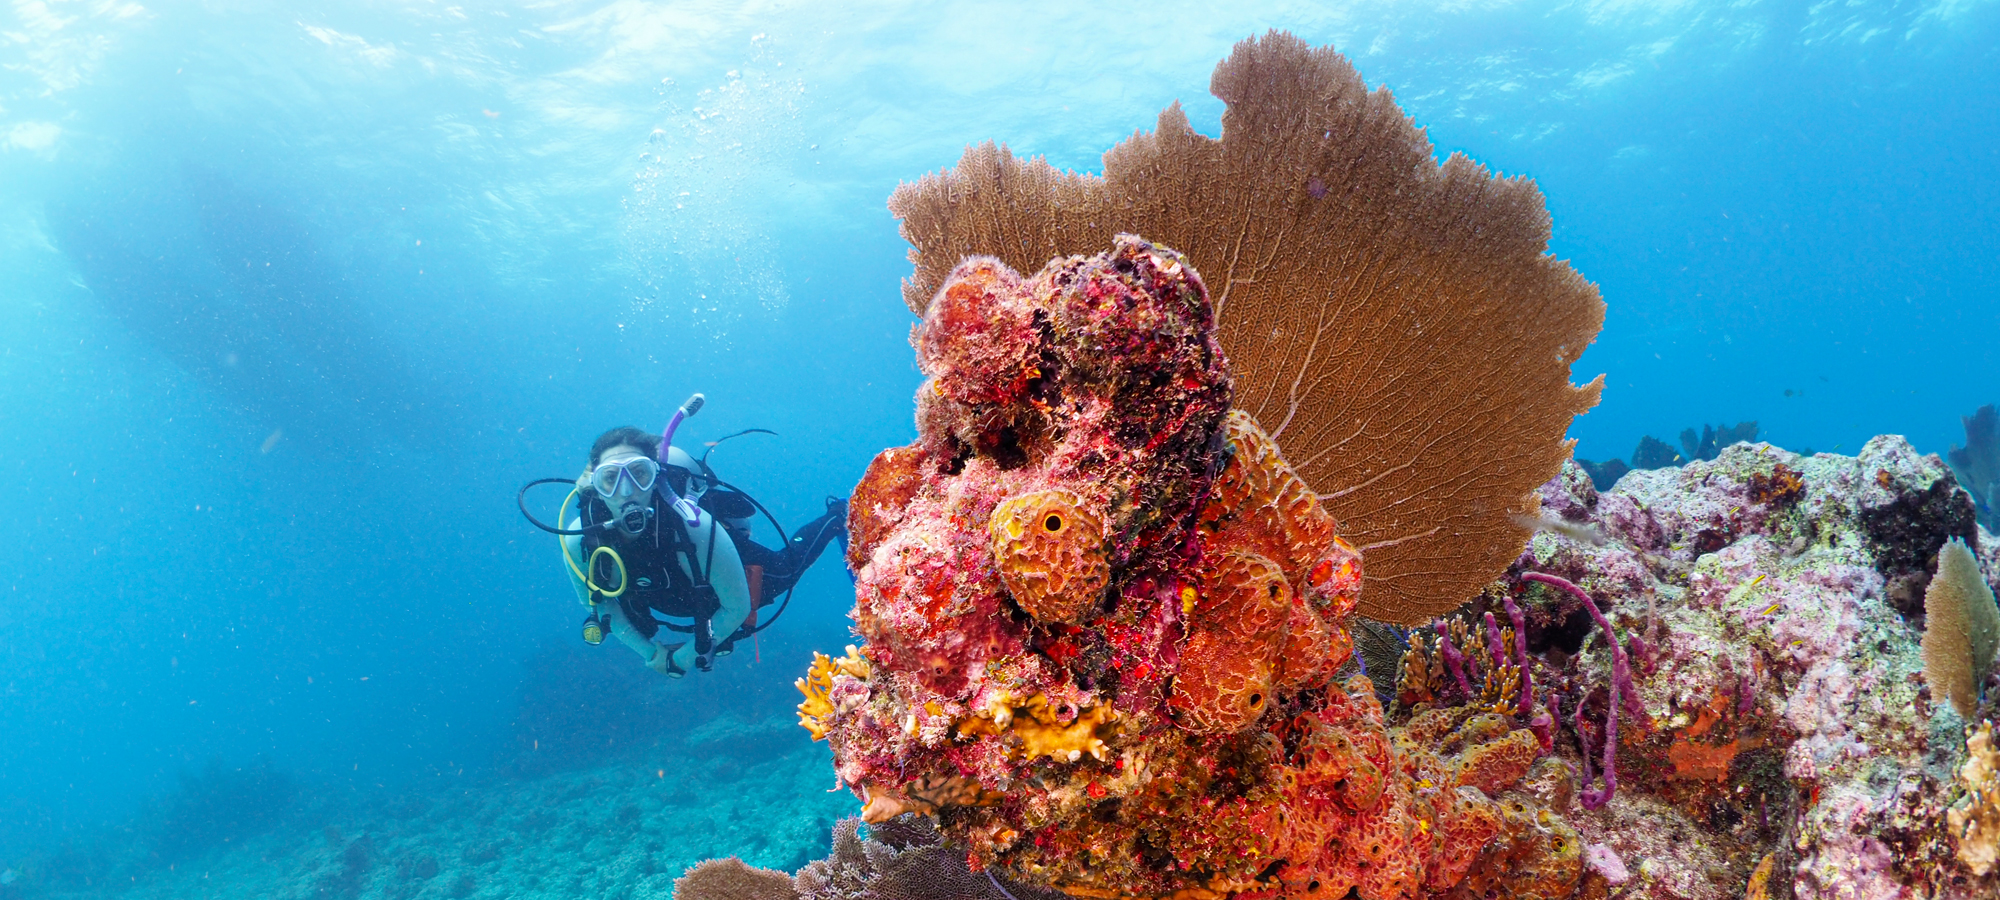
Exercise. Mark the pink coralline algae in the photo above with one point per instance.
(1105, 623)
(1773, 608)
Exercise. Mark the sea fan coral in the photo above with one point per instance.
(1395, 323)
(900, 860)
(1962, 633)
(733, 879)
(1103, 617)
(1977, 464)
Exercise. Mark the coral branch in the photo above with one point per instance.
(1494, 649)
(1453, 660)
(1520, 621)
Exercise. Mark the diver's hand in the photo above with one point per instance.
(663, 660)
(728, 644)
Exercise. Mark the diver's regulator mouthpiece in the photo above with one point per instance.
(634, 521)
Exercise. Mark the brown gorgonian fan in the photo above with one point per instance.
(1396, 324)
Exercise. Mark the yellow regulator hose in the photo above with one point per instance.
(616, 560)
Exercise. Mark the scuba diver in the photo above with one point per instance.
(646, 548)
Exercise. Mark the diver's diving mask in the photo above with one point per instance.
(610, 478)
(626, 487)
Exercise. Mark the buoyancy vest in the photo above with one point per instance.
(664, 571)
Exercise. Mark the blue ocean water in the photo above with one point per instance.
(291, 303)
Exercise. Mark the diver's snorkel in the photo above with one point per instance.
(689, 512)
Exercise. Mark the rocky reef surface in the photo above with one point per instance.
(1783, 733)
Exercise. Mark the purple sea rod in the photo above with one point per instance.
(1621, 687)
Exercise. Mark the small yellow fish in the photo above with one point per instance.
(1743, 590)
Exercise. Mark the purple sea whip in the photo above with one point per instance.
(1453, 660)
(1520, 623)
(1621, 688)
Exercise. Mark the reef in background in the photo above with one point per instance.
(1653, 453)
(1977, 464)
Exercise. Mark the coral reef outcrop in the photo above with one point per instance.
(1394, 323)
(1105, 621)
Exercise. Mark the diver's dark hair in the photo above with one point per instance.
(648, 444)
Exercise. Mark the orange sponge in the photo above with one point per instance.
(1230, 665)
(1049, 546)
(878, 501)
(1259, 504)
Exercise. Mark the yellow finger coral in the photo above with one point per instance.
(815, 685)
(1975, 821)
(1039, 728)
(818, 684)
(1049, 546)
